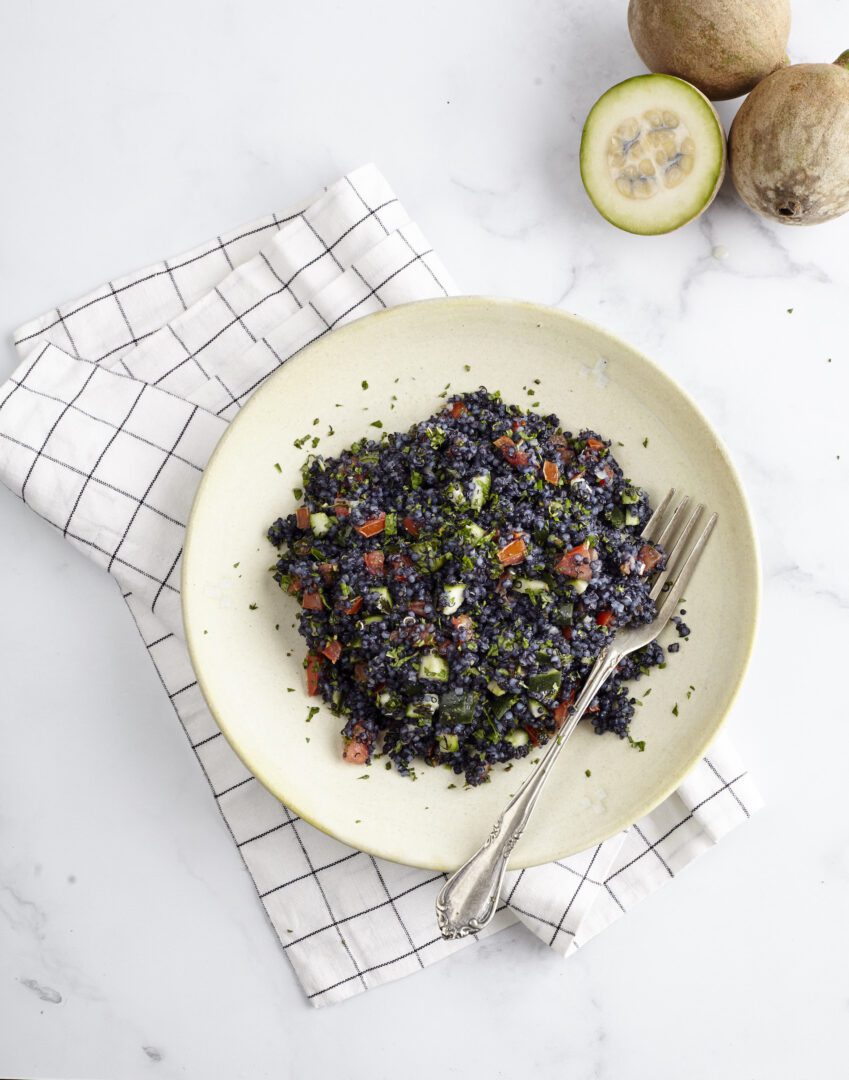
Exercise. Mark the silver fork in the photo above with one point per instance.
(469, 897)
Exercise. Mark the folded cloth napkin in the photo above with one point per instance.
(105, 428)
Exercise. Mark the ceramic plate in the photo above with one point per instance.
(407, 355)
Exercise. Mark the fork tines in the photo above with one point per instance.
(670, 528)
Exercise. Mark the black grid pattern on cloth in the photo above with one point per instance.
(113, 460)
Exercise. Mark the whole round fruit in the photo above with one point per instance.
(789, 144)
(652, 154)
(724, 47)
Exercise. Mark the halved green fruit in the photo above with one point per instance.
(652, 154)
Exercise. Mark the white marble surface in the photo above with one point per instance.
(131, 943)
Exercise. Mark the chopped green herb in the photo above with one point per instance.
(641, 745)
(646, 441)
(290, 689)
(376, 423)
(315, 422)
(365, 776)
(467, 367)
(364, 385)
(298, 493)
(675, 709)
(587, 773)
(312, 712)
(790, 311)
(235, 565)
(277, 466)
(253, 607)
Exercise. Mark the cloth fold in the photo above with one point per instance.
(106, 426)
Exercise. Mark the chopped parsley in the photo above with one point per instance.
(364, 385)
(313, 709)
(253, 607)
(278, 467)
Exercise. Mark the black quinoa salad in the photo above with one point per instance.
(456, 582)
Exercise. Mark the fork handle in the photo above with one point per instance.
(469, 898)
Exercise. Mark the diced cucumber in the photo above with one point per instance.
(432, 666)
(453, 598)
(632, 518)
(529, 585)
(473, 531)
(424, 709)
(458, 707)
(537, 708)
(372, 619)
(448, 743)
(545, 684)
(495, 689)
(562, 615)
(480, 490)
(390, 525)
(454, 493)
(437, 562)
(388, 701)
(502, 706)
(629, 496)
(382, 599)
(616, 517)
(519, 737)
(578, 585)
(319, 523)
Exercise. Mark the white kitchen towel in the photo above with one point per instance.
(105, 428)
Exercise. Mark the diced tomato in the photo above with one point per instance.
(604, 618)
(302, 517)
(411, 527)
(511, 453)
(373, 526)
(604, 475)
(374, 562)
(562, 710)
(550, 472)
(649, 556)
(340, 508)
(533, 734)
(294, 585)
(361, 672)
(355, 752)
(312, 600)
(457, 409)
(327, 570)
(332, 650)
(567, 632)
(417, 607)
(595, 444)
(562, 450)
(313, 667)
(513, 553)
(465, 624)
(576, 563)
(354, 606)
(398, 564)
